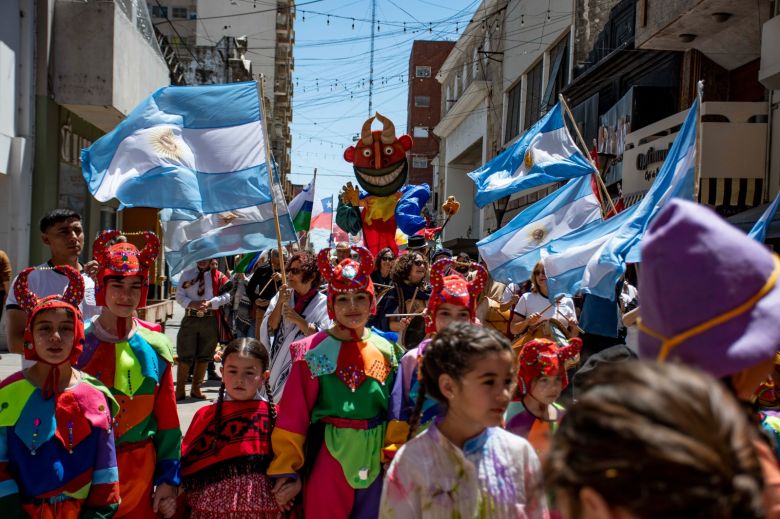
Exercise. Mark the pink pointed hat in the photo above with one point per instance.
(710, 294)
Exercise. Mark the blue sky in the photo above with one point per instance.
(331, 74)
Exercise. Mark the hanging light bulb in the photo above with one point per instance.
(353, 24)
(327, 22)
(456, 27)
(522, 19)
(548, 15)
(404, 26)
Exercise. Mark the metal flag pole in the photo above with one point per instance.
(313, 194)
(270, 167)
(332, 241)
(599, 180)
(697, 162)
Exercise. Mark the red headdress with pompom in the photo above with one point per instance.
(32, 304)
(347, 276)
(123, 259)
(544, 357)
(453, 289)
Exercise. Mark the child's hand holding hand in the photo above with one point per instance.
(164, 499)
(285, 490)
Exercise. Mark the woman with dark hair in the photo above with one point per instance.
(649, 440)
(296, 311)
(409, 295)
(383, 265)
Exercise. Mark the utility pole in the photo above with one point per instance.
(371, 66)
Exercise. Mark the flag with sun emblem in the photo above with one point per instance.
(511, 252)
(546, 153)
(198, 148)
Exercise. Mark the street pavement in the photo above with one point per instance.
(11, 363)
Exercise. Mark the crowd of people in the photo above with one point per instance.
(396, 385)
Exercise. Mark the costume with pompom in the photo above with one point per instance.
(57, 453)
(137, 369)
(451, 288)
(338, 390)
(539, 357)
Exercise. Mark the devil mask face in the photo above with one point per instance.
(379, 158)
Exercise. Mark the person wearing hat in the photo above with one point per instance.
(417, 243)
(534, 413)
(339, 386)
(135, 363)
(57, 452)
(711, 300)
(342, 251)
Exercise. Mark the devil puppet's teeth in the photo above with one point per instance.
(384, 179)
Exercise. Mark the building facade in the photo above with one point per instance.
(68, 87)
(424, 107)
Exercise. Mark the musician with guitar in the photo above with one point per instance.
(538, 317)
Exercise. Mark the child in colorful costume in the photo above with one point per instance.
(464, 464)
(453, 299)
(379, 160)
(227, 449)
(57, 456)
(339, 388)
(135, 363)
(541, 377)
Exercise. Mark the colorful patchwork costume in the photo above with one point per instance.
(138, 372)
(218, 461)
(380, 164)
(336, 402)
(57, 457)
(452, 289)
(539, 357)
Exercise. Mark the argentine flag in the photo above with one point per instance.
(594, 260)
(196, 148)
(758, 232)
(545, 153)
(512, 251)
(191, 237)
(301, 207)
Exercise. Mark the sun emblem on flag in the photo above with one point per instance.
(165, 143)
(529, 158)
(227, 217)
(538, 234)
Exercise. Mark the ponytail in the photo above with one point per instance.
(271, 406)
(414, 420)
(218, 417)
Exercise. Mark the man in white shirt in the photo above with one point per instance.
(62, 232)
(198, 293)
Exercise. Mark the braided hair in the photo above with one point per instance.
(245, 347)
(658, 440)
(452, 352)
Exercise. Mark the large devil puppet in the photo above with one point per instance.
(385, 202)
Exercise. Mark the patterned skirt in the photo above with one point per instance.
(240, 497)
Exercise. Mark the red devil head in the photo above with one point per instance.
(379, 158)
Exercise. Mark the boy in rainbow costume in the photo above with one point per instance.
(57, 456)
(135, 363)
(336, 401)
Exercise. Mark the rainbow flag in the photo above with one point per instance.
(301, 206)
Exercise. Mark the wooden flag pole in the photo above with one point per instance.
(270, 167)
(599, 180)
(313, 193)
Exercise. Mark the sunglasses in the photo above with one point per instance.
(295, 271)
(418, 263)
(387, 258)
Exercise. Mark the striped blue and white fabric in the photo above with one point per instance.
(546, 153)
(512, 251)
(191, 237)
(197, 148)
(594, 260)
(758, 232)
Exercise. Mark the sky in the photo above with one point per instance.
(331, 71)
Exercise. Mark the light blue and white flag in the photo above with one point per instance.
(594, 261)
(198, 148)
(512, 251)
(545, 153)
(758, 232)
(191, 237)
